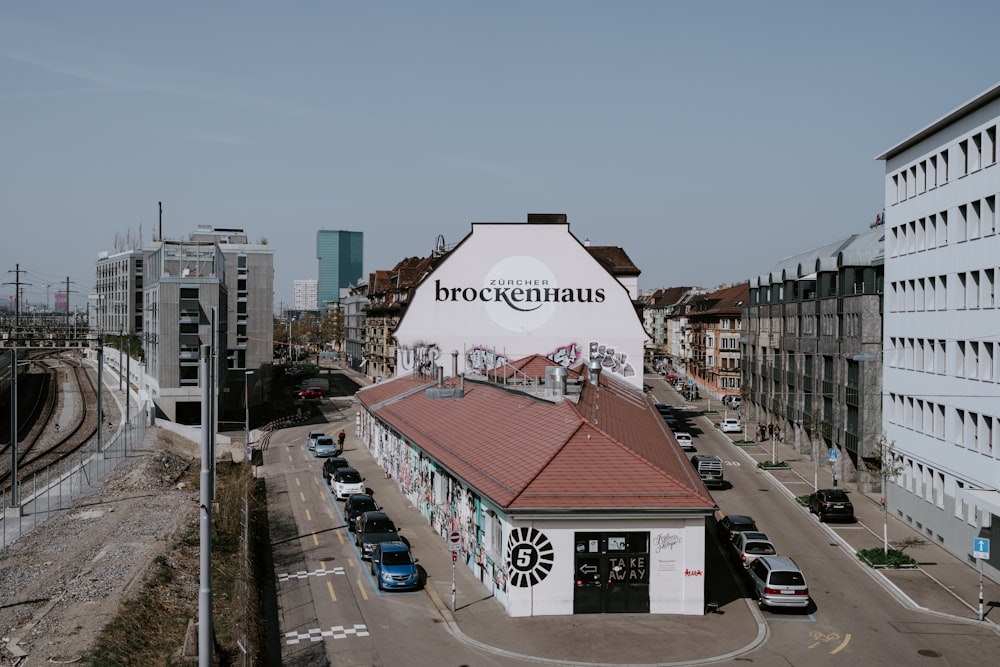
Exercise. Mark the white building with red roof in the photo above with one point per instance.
(569, 493)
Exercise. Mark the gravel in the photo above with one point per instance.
(63, 581)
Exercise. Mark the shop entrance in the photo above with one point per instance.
(611, 573)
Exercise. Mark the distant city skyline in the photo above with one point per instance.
(708, 141)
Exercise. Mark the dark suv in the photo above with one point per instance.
(830, 504)
(372, 528)
(731, 524)
(356, 505)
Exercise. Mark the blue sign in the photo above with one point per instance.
(833, 455)
(981, 547)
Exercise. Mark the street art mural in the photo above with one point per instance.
(482, 359)
(611, 361)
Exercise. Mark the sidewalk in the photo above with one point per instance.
(941, 583)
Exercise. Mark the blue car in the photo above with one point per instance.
(394, 567)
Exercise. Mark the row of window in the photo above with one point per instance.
(963, 428)
(968, 156)
(933, 485)
(967, 222)
(971, 289)
(972, 359)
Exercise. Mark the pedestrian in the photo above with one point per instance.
(770, 430)
(340, 439)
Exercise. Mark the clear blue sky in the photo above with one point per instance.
(707, 139)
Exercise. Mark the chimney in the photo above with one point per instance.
(555, 381)
(594, 368)
(454, 363)
(546, 218)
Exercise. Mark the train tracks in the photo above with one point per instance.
(43, 441)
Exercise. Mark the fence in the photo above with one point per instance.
(60, 487)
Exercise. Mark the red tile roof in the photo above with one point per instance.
(610, 451)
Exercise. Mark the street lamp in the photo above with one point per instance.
(246, 403)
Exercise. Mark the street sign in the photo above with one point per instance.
(454, 557)
(981, 548)
(454, 540)
(833, 455)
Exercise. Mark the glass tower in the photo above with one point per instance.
(339, 253)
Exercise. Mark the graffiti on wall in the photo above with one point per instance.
(419, 357)
(484, 359)
(611, 361)
(565, 356)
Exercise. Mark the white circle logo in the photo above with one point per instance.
(523, 287)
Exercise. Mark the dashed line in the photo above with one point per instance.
(335, 632)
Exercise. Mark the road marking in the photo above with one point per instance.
(361, 588)
(335, 632)
(302, 496)
(822, 638)
(308, 515)
(847, 638)
(297, 482)
(302, 574)
(315, 540)
(333, 596)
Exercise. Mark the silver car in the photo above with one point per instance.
(778, 582)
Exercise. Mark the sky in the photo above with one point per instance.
(709, 140)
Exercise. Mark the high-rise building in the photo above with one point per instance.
(304, 295)
(118, 299)
(340, 254)
(941, 364)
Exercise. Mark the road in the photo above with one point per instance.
(853, 614)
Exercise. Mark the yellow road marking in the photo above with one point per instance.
(362, 590)
(822, 638)
(316, 541)
(308, 515)
(329, 587)
(847, 638)
(302, 496)
(297, 482)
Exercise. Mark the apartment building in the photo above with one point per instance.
(304, 295)
(811, 356)
(715, 324)
(118, 297)
(941, 399)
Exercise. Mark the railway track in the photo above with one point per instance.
(37, 449)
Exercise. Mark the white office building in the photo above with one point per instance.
(941, 347)
(304, 295)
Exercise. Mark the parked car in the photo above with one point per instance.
(394, 566)
(373, 528)
(777, 581)
(709, 469)
(311, 393)
(731, 524)
(356, 505)
(330, 466)
(671, 378)
(750, 545)
(829, 504)
(684, 440)
(347, 481)
(311, 439)
(731, 426)
(325, 446)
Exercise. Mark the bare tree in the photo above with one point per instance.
(886, 465)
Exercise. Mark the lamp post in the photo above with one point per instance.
(246, 403)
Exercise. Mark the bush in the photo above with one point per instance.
(878, 557)
(772, 464)
(803, 500)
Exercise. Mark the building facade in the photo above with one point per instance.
(118, 296)
(811, 362)
(340, 254)
(715, 323)
(941, 383)
(304, 295)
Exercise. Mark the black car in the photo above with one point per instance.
(356, 505)
(372, 528)
(830, 504)
(330, 466)
(731, 524)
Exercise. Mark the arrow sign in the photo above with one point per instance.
(588, 569)
(981, 548)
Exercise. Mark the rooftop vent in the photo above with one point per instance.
(594, 371)
(555, 381)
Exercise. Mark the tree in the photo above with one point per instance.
(885, 465)
(813, 425)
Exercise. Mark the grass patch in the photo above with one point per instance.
(894, 558)
(150, 626)
(803, 500)
(772, 465)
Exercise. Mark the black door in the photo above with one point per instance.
(611, 573)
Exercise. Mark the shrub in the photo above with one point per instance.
(878, 557)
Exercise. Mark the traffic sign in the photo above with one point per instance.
(454, 557)
(981, 547)
(454, 540)
(833, 455)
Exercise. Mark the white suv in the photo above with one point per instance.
(731, 426)
(685, 441)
